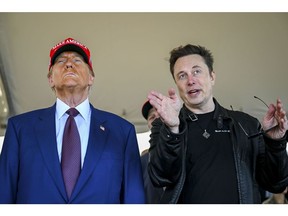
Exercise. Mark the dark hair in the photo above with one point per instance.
(189, 49)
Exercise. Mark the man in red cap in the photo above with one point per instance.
(36, 164)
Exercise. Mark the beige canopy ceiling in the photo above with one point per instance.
(130, 52)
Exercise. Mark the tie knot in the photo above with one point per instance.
(72, 112)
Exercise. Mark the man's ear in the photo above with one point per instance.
(51, 82)
(91, 80)
(213, 77)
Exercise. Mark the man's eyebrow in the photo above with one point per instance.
(196, 66)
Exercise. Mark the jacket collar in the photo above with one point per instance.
(218, 112)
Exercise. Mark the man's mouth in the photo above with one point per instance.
(69, 74)
(193, 92)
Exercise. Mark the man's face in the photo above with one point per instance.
(70, 71)
(194, 81)
(152, 115)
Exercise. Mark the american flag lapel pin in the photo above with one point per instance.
(102, 127)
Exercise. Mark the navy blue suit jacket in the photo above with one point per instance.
(30, 170)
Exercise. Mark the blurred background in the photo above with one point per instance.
(130, 53)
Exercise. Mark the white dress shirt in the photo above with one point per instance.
(83, 124)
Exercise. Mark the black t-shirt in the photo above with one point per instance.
(210, 168)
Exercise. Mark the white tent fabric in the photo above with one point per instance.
(129, 61)
(143, 141)
(1, 142)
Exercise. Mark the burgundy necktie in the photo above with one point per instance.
(71, 152)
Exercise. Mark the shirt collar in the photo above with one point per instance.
(83, 109)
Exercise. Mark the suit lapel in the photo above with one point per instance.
(46, 137)
(96, 143)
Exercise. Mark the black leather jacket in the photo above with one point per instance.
(258, 161)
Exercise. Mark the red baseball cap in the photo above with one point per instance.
(70, 44)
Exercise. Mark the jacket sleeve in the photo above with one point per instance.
(272, 166)
(133, 188)
(9, 166)
(165, 154)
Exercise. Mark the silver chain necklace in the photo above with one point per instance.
(194, 118)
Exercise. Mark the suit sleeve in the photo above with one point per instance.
(9, 164)
(133, 186)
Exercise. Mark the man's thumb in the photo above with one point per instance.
(172, 93)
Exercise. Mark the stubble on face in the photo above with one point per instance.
(195, 88)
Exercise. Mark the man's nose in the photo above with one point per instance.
(69, 63)
(191, 80)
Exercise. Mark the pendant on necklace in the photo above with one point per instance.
(206, 134)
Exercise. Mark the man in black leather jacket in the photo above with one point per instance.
(204, 153)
